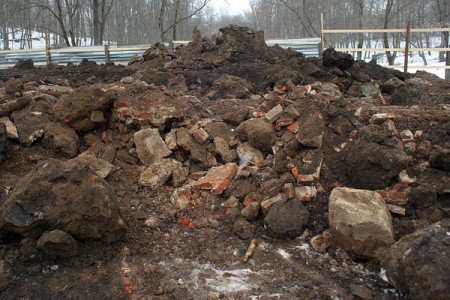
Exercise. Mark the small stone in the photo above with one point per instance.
(321, 242)
(223, 149)
(243, 229)
(251, 211)
(54, 267)
(57, 243)
(249, 155)
(305, 193)
(127, 80)
(171, 140)
(289, 190)
(390, 127)
(97, 116)
(381, 117)
(11, 130)
(258, 132)
(407, 136)
(403, 177)
(99, 166)
(286, 220)
(418, 134)
(231, 202)
(396, 209)
(152, 222)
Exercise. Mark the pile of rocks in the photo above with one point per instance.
(267, 150)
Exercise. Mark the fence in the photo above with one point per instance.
(122, 55)
(406, 49)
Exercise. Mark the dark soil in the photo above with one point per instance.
(194, 254)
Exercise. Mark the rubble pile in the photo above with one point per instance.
(347, 156)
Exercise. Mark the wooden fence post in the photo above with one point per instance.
(47, 48)
(408, 29)
(106, 54)
(323, 39)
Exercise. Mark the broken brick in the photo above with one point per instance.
(266, 204)
(217, 179)
(247, 200)
(283, 123)
(294, 127)
(274, 113)
(394, 197)
(199, 134)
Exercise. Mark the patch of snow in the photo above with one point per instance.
(383, 275)
(284, 254)
(208, 277)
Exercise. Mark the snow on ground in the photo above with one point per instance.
(414, 62)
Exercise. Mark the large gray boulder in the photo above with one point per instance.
(419, 263)
(372, 166)
(360, 222)
(66, 196)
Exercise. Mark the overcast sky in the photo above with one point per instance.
(234, 7)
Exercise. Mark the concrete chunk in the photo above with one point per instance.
(360, 222)
(150, 146)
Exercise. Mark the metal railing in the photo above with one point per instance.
(123, 54)
(406, 49)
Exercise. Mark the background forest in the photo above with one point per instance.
(127, 22)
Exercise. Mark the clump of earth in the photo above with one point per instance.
(224, 169)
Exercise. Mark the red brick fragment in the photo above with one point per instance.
(217, 179)
(294, 127)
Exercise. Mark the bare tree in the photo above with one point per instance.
(100, 12)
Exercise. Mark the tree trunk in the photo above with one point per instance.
(175, 19)
(161, 20)
(96, 22)
(447, 57)
(390, 56)
(60, 19)
(4, 24)
(360, 26)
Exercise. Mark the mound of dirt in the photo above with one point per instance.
(219, 160)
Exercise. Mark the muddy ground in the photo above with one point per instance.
(173, 252)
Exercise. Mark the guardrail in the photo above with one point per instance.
(123, 54)
(406, 50)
